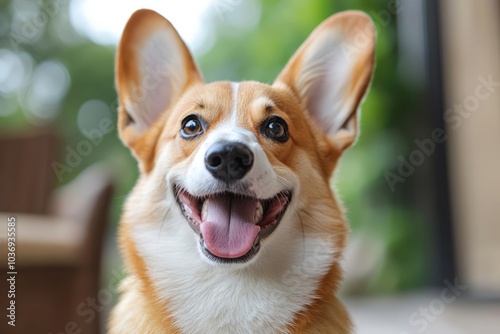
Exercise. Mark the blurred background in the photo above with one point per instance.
(421, 186)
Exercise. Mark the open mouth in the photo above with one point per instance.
(231, 226)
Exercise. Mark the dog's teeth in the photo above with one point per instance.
(204, 210)
(187, 209)
(259, 211)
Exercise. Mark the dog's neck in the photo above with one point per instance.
(324, 315)
(264, 297)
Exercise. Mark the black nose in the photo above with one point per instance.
(228, 161)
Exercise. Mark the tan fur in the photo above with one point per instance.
(137, 311)
(140, 310)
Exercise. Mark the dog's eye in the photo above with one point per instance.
(191, 126)
(275, 128)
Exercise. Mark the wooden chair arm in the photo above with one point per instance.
(41, 240)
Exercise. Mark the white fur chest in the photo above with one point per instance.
(262, 297)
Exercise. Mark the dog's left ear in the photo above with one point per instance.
(331, 72)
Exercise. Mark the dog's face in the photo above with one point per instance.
(239, 168)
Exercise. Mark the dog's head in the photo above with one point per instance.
(240, 166)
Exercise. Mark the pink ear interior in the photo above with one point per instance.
(331, 72)
(153, 66)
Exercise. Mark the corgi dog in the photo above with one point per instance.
(232, 227)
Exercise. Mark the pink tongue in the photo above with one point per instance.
(228, 230)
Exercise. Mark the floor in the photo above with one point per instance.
(426, 312)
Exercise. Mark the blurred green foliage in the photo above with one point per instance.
(253, 41)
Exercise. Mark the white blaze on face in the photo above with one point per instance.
(261, 179)
(235, 86)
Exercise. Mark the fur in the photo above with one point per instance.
(290, 285)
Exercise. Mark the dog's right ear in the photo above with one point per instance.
(153, 68)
